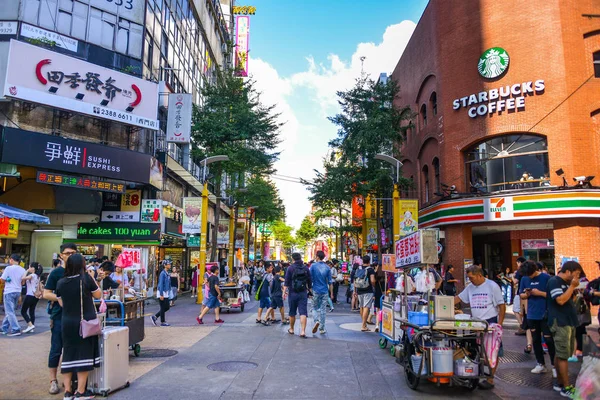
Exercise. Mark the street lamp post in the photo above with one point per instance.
(203, 221)
(396, 195)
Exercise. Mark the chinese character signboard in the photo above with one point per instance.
(223, 233)
(151, 210)
(133, 257)
(131, 200)
(8, 27)
(60, 154)
(46, 77)
(120, 216)
(242, 39)
(358, 210)
(116, 231)
(179, 122)
(33, 32)
(417, 248)
(80, 182)
(193, 241)
(409, 217)
(192, 214)
(9, 228)
(388, 262)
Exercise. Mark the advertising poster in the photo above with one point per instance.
(409, 217)
(387, 325)
(371, 232)
(240, 235)
(223, 233)
(192, 214)
(388, 262)
(9, 228)
(131, 200)
(179, 121)
(151, 210)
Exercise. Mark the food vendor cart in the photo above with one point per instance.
(233, 297)
(434, 344)
(126, 311)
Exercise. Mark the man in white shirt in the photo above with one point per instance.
(140, 280)
(487, 303)
(13, 276)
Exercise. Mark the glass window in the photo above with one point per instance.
(597, 64)
(423, 116)
(433, 100)
(425, 184)
(508, 162)
(436, 173)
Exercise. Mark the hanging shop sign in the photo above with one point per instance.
(192, 214)
(244, 10)
(242, 39)
(388, 262)
(223, 233)
(111, 202)
(151, 211)
(9, 228)
(240, 235)
(131, 201)
(8, 27)
(80, 182)
(179, 121)
(57, 153)
(118, 231)
(418, 248)
(409, 217)
(193, 241)
(42, 76)
(132, 258)
(536, 244)
(37, 33)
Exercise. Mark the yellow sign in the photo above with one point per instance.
(388, 262)
(387, 325)
(371, 232)
(131, 200)
(244, 10)
(409, 217)
(13, 228)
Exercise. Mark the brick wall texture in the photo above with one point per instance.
(551, 40)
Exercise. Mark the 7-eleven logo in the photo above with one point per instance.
(497, 206)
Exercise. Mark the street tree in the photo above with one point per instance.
(233, 121)
(307, 232)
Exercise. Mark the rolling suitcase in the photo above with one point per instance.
(113, 373)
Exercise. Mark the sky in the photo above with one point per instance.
(301, 53)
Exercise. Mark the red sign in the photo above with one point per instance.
(408, 250)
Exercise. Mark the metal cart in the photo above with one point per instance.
(130, 314)
(231, 298)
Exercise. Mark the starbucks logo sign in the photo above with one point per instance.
(493, 62)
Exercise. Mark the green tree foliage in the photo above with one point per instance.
(283, 232)
(263, 194)
(306, 233)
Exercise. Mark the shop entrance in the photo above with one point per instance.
(498, 246)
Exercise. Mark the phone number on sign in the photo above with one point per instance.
(112, 113)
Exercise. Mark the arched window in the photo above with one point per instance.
(597, 64)
(433, 101)
(508, 162)
(423, 116)
(425, 184)
(436, 174)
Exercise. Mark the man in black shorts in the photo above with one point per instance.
(297, 284)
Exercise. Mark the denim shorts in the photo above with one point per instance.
(265, 302)
(212, 302)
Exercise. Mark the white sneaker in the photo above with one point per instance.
(30, 328)
(554, 375)
(539, 369)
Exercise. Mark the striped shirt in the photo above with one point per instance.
(564, 315)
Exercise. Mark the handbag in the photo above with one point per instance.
(88, 328)
(257, 294)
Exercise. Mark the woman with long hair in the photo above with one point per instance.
(379, 289)
(32, 282)
(75, 293)
(174, 285)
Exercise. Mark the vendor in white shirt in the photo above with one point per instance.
(487, 303)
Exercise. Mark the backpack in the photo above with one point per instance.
(361, 280)
(299, 279)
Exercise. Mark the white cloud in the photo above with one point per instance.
(305, 142)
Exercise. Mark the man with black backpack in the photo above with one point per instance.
(298, 283)
(364, 281)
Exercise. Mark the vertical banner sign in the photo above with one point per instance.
(242, 37)
(135, 256)
(409, 217)
(240, 234)
(192, 214)
(131, 200)
(151, 210)
(358, 210)
(179, 122)
(223, 233)
(371, 232)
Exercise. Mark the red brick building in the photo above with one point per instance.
(505, 95)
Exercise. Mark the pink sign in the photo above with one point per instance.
(242, 38)
(42, 76)
(535, 244)
(408, 250)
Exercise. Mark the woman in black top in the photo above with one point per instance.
(79, 355)
(450, 282)
(379, 291)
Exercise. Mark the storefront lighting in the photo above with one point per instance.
(47, 230)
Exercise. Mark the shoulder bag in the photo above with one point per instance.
(88, 328)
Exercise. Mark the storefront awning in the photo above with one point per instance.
(22, 215)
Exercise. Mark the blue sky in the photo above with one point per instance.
(302, 52)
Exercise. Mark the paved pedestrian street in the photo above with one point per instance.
(244, 360)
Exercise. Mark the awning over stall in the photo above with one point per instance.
(22, 215)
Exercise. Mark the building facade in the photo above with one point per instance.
(504, 105)
(84, 120)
